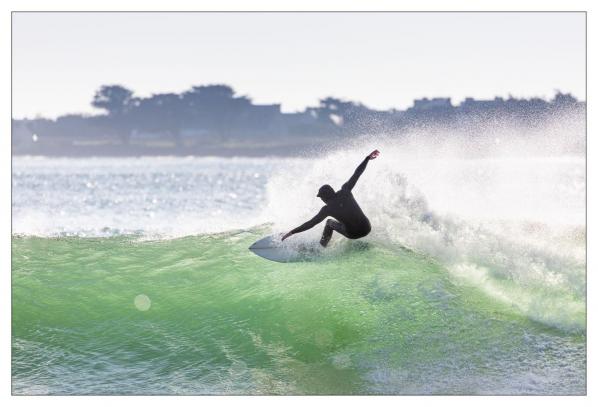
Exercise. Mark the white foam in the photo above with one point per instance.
(511, 224)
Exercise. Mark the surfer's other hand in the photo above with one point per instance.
(285, 236)
(374, 154)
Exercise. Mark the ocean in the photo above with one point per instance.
(132, 276)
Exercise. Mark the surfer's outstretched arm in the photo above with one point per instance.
(348, 186)
(309, 224)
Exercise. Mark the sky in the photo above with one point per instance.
(383, 60)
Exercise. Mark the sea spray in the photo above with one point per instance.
(465, 232)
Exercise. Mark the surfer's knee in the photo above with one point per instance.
(367, 229)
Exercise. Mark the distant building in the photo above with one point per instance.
(431, 104)
(471, 104)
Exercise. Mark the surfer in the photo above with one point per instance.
(350, 221)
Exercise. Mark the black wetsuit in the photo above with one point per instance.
(343, 207)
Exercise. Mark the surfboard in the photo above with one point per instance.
(272, 248)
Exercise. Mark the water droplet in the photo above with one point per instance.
(142, 302)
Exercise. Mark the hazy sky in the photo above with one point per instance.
(381, 59)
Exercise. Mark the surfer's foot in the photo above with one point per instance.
(324, 241)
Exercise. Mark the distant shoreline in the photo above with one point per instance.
(144, 151)
(212, 120)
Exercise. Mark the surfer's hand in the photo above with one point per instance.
(285, 236)
(374, 154)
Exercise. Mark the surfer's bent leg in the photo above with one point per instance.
(332, 225)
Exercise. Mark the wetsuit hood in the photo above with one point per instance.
(326, 193)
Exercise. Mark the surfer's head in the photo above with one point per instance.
(326, 193)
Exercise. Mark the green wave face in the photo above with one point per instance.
(203, 315)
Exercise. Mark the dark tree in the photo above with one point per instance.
(344, 114)
(115, 99)
(162, 112)
(214, 107)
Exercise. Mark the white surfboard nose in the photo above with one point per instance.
(272, 248)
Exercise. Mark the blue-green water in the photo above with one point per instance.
(224, 321)
(135, 297)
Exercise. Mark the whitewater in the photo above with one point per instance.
(132, 275)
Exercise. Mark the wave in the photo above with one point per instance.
(203, 315)
(512, 226)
